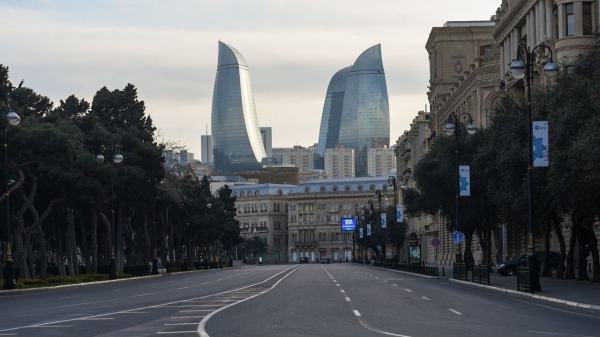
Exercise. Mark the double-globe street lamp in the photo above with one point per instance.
(451, 128)
(392, 181)
(522, 67)
(117, 159)
(12, 119)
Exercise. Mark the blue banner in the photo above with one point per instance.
(464, 176)
(540, 144)
(369, 229)
(348, 224)
(360, 233)
(399, 213)
(383, 220)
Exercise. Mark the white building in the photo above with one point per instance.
(207, 149)
(300, 157)
(380, 161)
(339, 163)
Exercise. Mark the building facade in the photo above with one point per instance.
(237, 141)
(381, 161)
(300, 157)
(461, 58)
(266, 134)
(262, 212)
(329, 132)
(339, 163)
(315, 209)
(206, 156)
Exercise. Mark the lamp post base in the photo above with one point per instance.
(534, 275)
(9, 275)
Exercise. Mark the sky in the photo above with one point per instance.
(168, 50)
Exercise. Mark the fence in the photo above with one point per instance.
(413, 268)
(481, 274)
(460, 271)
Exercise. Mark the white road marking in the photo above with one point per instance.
(337, 284)
(408, 290)
(182, 288)
(557, 333)
(146, 294)
(347, 299)
(342, 291)
(455, 311)
(202, 325)
(186, 317)
(174, 332)
(134, 312)
(356, 313)
(97, 318)
(175, 324)
(395, 285)
(50, 326)
(74, 305)
(196, 310)
(425, 298)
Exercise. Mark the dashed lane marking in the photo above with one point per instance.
(408, 290)
(177, 324)
(74, 305)
(347, 299)
(455, 311)
(342, 291)
(356, 313)
(425, 298)
(182, 288)
(185, 317)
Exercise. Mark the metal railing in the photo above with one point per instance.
(481, 274)
(460, 271)
(523, 280)
(413, 268)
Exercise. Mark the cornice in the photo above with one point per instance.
(480, 77)
(511, 18)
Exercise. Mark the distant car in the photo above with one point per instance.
(511, 267)
(325, 260)
(304, 259)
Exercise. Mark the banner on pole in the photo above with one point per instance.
(464, 176)
(399, 213)
(540, 144)
(369, 229)
(360, 233)
(383, 220)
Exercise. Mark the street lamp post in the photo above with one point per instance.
(452, 127)
(392, 182)
(12, 119)
(522, 67)
(378, 214)
(117, 158)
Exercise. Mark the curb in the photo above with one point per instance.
(407, 273)
(596, 308)
(30, 290)
(200, 270)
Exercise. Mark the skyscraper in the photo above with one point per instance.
(237, 141)
(266, 132)
(356, 110)
(207, 149)
(332, 112)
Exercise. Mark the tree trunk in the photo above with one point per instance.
(93, 243)
(582, 258)
(499, 239)
(43, 252)
(563, 247)
(71, 243)
(61, 259)
(119, 241)
(148, 255)
(570, 272)
(109, 238)
(593, 244)
(546, 248)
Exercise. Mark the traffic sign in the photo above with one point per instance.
(435, 242)
(458, 237)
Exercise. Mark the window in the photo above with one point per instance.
(587, 18)
(569, 19)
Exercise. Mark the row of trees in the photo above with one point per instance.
(568, 190)
(72, 210)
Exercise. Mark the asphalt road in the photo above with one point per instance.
(287, 300)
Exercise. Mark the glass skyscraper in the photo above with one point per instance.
(236, 136)
(363, 120)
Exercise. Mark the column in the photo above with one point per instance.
(549, 19)
(502, 62)
(561, 21)
(578, 9)
(516, 34)
(598, 16)
(529, 24)
(542, 19)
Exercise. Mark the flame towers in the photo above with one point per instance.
(237, 142)
(356, 111)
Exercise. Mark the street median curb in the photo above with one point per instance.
(596, 308)
(29, 290)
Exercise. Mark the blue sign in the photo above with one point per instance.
(383, 220)
(348, 224)
(399, 213)
(464, 175)
(540, 144)
(458, 237)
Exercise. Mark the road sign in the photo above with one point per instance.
(458, 237)
(435, 242)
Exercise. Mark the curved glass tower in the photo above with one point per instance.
(329, 132)
(237, 141)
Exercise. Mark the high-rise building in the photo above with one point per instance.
(207, 149)
(301, 157)
(236, 136)
(356, 111)
(329, 132)
(266, 134)
(339, 163)
(380, 161)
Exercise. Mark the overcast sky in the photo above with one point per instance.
(168, 50)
